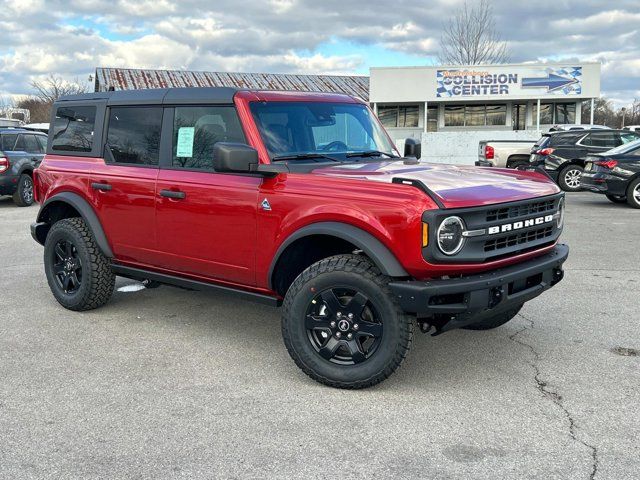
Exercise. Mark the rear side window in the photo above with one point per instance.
(8, 141)
(566, 139)
(133, 134)
(28, 143)
(603, 140)
(73, 129)
(197, 129)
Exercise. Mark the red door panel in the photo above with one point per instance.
(211, 231)
(124, 198)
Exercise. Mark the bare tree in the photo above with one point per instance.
(45, 93)
(40, 111)
(54, 87)
(470, 37)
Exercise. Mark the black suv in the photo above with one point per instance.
(21, 151)
(563, 154)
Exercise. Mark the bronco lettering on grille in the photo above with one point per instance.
(508, 227)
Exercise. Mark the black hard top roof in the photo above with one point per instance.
(155, 96)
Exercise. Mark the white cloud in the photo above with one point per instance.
(72, 37)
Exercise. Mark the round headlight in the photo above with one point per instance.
(450, 239)
(560, 217)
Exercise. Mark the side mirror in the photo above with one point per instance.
(412, 148)
(234, 157)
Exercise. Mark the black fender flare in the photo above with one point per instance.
(86, 212)
(379, 254)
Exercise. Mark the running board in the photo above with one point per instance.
(140, 274)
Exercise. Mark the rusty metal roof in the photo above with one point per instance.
(131, 79)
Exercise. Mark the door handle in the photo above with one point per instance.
(173, 194)
(105, 187)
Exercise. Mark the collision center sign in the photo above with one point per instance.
(556, 81)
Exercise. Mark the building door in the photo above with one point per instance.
(519, 115)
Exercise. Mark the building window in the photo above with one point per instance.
(552, 113)
(454, 116)
(133, 134)
(565, 113)
(402, 116)
(496, 115)
(73, 129)
(474, 115)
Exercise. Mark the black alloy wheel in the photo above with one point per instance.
(343, 326)
(79, 275)
(67, 267)
(23, 196)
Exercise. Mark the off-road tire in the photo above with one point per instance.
(563, 178)
(617, 198)
(495, 321)
(633, 193)
(358, 273)
(23, 196)
(97, 281)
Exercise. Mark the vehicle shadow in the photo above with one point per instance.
(7, 202)
(457, 356)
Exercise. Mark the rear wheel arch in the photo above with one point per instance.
(68, 205)
(26, 171)
(321, 240)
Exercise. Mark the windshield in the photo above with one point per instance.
(624, 148)
(333, 131)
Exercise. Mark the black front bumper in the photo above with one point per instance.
(469, 299)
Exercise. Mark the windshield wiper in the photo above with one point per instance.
(304, 156)
(369, 153)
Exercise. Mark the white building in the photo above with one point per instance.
(451, 108)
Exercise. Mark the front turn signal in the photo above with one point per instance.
(425, 234)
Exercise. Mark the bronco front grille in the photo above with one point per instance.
(497, 231)
(517, 239)
(516, 211)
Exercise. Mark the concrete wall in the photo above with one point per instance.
(462, 147)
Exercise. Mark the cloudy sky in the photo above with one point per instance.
(70, 38)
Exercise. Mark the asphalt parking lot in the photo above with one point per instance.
(168, 383)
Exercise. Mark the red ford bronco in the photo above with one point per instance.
(298, 199)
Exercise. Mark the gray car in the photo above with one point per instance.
(21, 151)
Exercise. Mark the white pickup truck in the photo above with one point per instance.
(504, 153)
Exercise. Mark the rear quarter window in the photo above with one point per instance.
(73, 129)
(567, 140)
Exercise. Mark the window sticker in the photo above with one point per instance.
(185, 142)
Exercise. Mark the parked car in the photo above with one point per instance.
(563, 154)
(632, 128)
(293, 198)
(571, 127)
(615, 173)
(21, 151)
(504, 153)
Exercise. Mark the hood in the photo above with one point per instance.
(456, 186)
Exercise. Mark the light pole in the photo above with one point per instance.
(624, 111)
